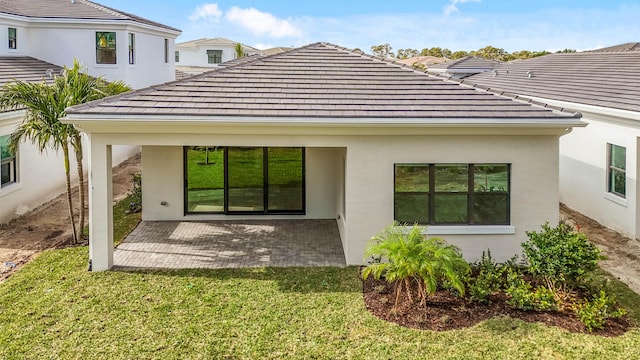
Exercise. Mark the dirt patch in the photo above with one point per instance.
(47, 226)
(444, 311)
(623, 253)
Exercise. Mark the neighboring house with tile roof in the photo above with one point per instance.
(109, 42)
(198, 56)
(323, 132)
(41, 36)
(423, 61)
(463, 67)
(630, 46)
(599, 164)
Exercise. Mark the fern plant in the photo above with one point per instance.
(409, 260)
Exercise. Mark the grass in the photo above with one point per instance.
(123, 223)
(53, 308)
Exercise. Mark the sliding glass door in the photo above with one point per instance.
(245, 179)
(251, 180)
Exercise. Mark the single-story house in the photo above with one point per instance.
(599, 163)
(323, 132)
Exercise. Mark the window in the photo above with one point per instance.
(8, 169)
(214, 56)
(13, 38)
(617, 182)
(235, 180)
(177, 56)
(166, 51)
(105, 47)
(448, 194)
(132, 48)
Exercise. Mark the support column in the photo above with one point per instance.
(100, 205)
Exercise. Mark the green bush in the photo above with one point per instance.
(489, 280)
(594, 313)
(523, 297)
(135, 194)
(560, 255)
(411, 258)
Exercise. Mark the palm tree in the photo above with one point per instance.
(45, 104)
(79, 87)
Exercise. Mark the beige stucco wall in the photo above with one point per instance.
(368, 162)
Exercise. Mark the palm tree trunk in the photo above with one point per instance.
(67, 170)
(77, 145)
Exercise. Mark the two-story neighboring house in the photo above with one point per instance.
(198, 56)
(37, 38)
(110, 43)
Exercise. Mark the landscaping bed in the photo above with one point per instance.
(445, 311)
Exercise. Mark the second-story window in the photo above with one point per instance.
(166, 51)
(177, 56)
(13, 38)
(132, 48)
(105, 47)
(214, 56)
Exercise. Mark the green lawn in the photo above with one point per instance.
(53, 308)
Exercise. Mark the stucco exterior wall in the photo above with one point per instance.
(197, 56)
(163, 181)
(45, 43)
(583, 172)
(368, 166)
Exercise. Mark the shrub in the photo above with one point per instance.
(523, 297)
(135, 194)
(409, 258)
(560, 255)
(594, 313)
(490, 278)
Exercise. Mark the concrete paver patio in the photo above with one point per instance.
(230, 244)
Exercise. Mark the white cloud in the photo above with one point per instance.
(262, 46)
(262, 23)
(453, 6)
(209, 12)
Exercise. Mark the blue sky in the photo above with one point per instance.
(454, 24)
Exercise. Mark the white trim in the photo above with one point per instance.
(470, 230)
(346, 121)
(10, 188)
(466, 229)
(616, 199)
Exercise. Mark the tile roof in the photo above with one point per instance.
(428, 61)
(606, 79)
(67, 9)
(630, 46)
(181, 74)
(24, 68)
(468, 62)
(318, 80)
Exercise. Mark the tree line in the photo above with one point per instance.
(487, 52)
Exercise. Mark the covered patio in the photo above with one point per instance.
(230, 244)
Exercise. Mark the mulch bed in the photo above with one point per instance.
(444, 311)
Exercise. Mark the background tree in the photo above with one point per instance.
(239, 52)
(458, 54)
(45, 104)
(407, 53)
(383, 50)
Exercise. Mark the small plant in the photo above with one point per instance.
(412, 259)
(560, 256)
(135, 194)
(594, 313)
(489, 280)
(523, 297)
